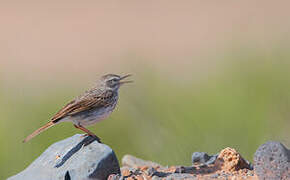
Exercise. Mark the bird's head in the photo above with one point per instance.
(113, 81)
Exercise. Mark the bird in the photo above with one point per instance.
(92, 106)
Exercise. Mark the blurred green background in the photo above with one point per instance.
(207, 76)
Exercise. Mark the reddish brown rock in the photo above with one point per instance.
(230, 160)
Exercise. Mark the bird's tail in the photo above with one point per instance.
(43, 128)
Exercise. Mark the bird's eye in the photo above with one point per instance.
(112, 81)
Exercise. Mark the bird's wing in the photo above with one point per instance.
(83, 104)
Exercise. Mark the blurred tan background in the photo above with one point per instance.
(207, 74)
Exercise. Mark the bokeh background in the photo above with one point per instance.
(207, 74)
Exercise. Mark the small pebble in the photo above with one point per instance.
(214, 176)
(151, 171)
(155, 178)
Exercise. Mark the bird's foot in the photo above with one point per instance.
(97, 138)
(93, 136)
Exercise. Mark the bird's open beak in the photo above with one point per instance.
(124, 82)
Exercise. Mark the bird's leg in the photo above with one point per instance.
(88, 132)
(84, 135)
(85, 130)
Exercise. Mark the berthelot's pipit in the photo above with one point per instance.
(94, 105)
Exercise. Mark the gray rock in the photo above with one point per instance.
(151, 171)
(185, 169)
(74, 158)
(199, 157)
(175, 176)
(202, 158)
(272, 161)
(132, 161)
(178, 176)
(212, 159)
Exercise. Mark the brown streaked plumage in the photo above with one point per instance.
(87, 109)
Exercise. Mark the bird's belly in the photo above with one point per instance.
(91, 117)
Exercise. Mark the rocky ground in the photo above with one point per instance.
(272, 162)
(80, 157)
(229, 164)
